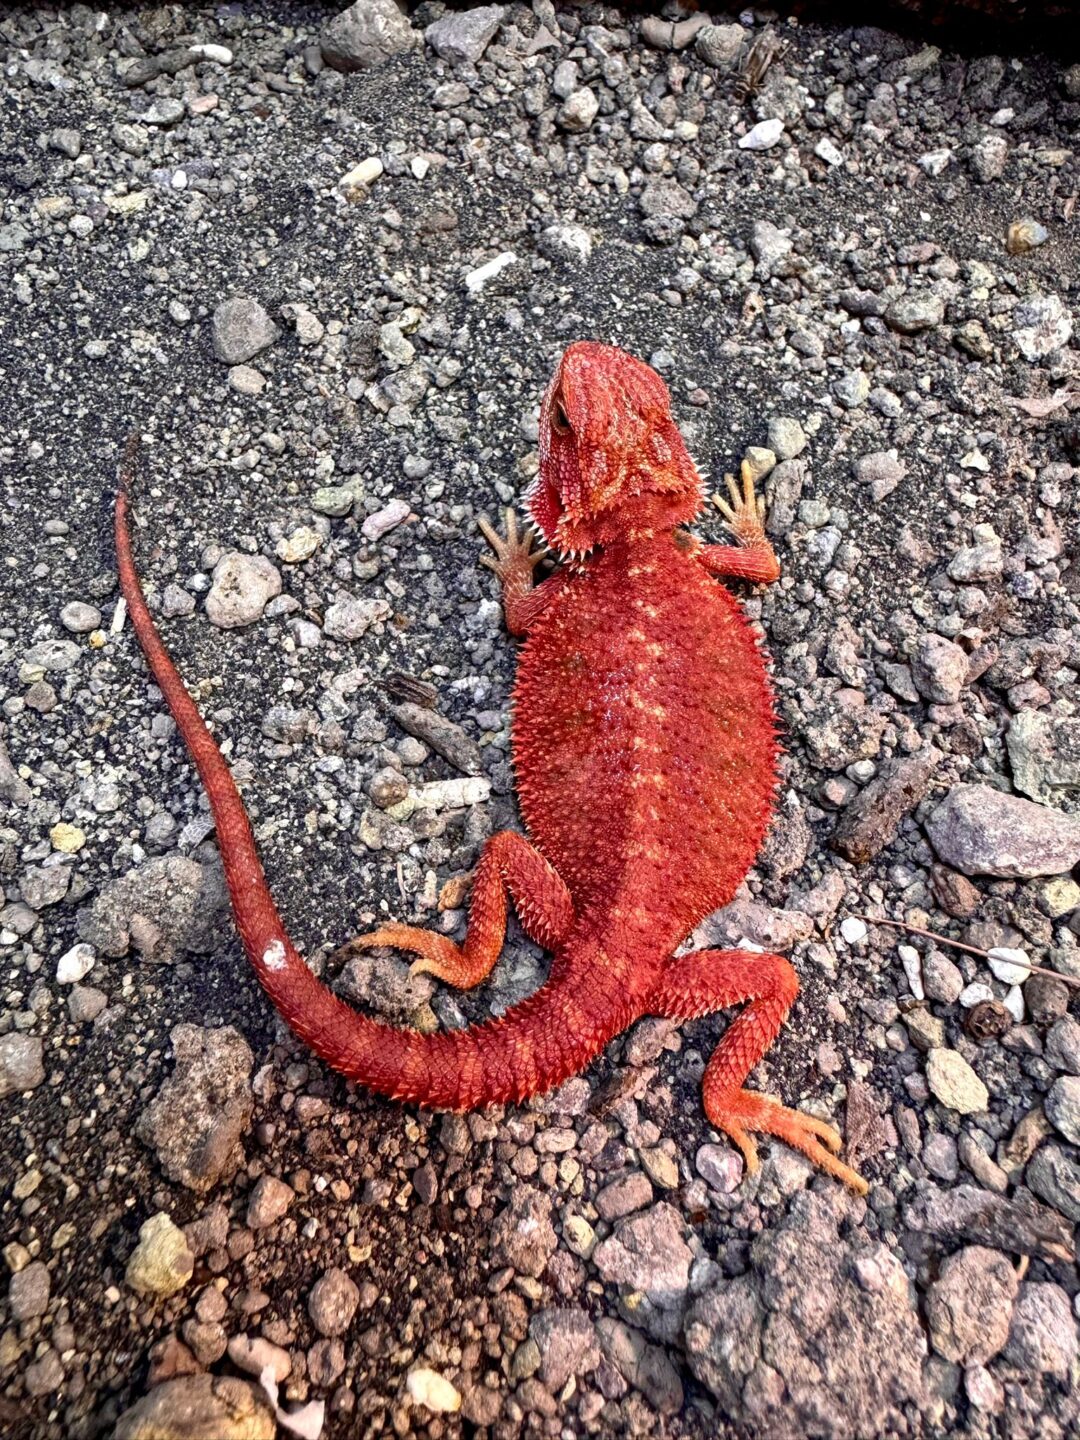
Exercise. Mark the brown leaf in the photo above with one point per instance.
(1039, 406)
(865, 1134)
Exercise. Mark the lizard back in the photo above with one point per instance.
(644, 737)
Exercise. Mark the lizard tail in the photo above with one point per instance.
(539, 1043)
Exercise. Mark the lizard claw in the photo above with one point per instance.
(746, 1111)
(439, 956)
(515, 552)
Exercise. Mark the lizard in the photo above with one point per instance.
(644, 742)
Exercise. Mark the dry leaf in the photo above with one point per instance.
(1042, 405)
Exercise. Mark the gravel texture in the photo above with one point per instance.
(325, 263)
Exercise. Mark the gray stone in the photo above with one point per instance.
(1054, 1175)
(1042, 325)
(333, 1302)
(667, 198)
(942, 980)
(365, 35)
(195, 1122)
(462, 36)
(720, 45)
(1042, 1337)
(1062, 1106)
(80, 618)
(783, 491)
(578, 111)
(969, 1307)
(45, 885)
(786, 438)
(649, 1253)
(770, 247)
(567, 243)
(851, 389)
(13, 787)
(268, 1202)
(167, 905)
(939, 669)
(982, 831)
(523, 1236)
(630, 1192)
(1044, 752)
(881, 472)
(28, 1292)
(349, 617)
(52, 656)
(243, 586)
(1062, 1047)
(988, 156)
(20, 1063)
(240, 329)
(567, 1343)
(914, 312)
(822, 1336)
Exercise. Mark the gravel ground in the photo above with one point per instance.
(326, 266)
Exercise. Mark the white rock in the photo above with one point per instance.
(827, 151)
(763, 136)
(451, 794)
(975, 994)
(475, 280)
(1013, 1000)
(428, 1387)
(853, 930)
(356, 181)
(220, 54)
(912, 963)
(1011, 967)
(75, 964)
(935, 161)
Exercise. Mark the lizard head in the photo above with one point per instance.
(612, 462)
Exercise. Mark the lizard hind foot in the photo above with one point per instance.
(439, 956)
(744, 1113)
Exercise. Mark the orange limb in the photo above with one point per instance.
(753, 557)
(509, 865)
(707, 980)
(514, 563)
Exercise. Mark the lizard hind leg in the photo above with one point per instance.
(707, 980)
(511, 865)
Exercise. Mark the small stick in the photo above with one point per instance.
(959, 945)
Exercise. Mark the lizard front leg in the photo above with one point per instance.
(707, 980)
(514, 563)
(511, 865)
(753, 558)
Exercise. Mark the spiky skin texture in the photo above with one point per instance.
(645, 749)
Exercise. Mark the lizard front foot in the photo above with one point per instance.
(514, 558)
(744, 1112)
(746, 513)
(438, 955)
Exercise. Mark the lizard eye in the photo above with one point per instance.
(560, 422)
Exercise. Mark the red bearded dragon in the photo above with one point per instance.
(644, 744)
